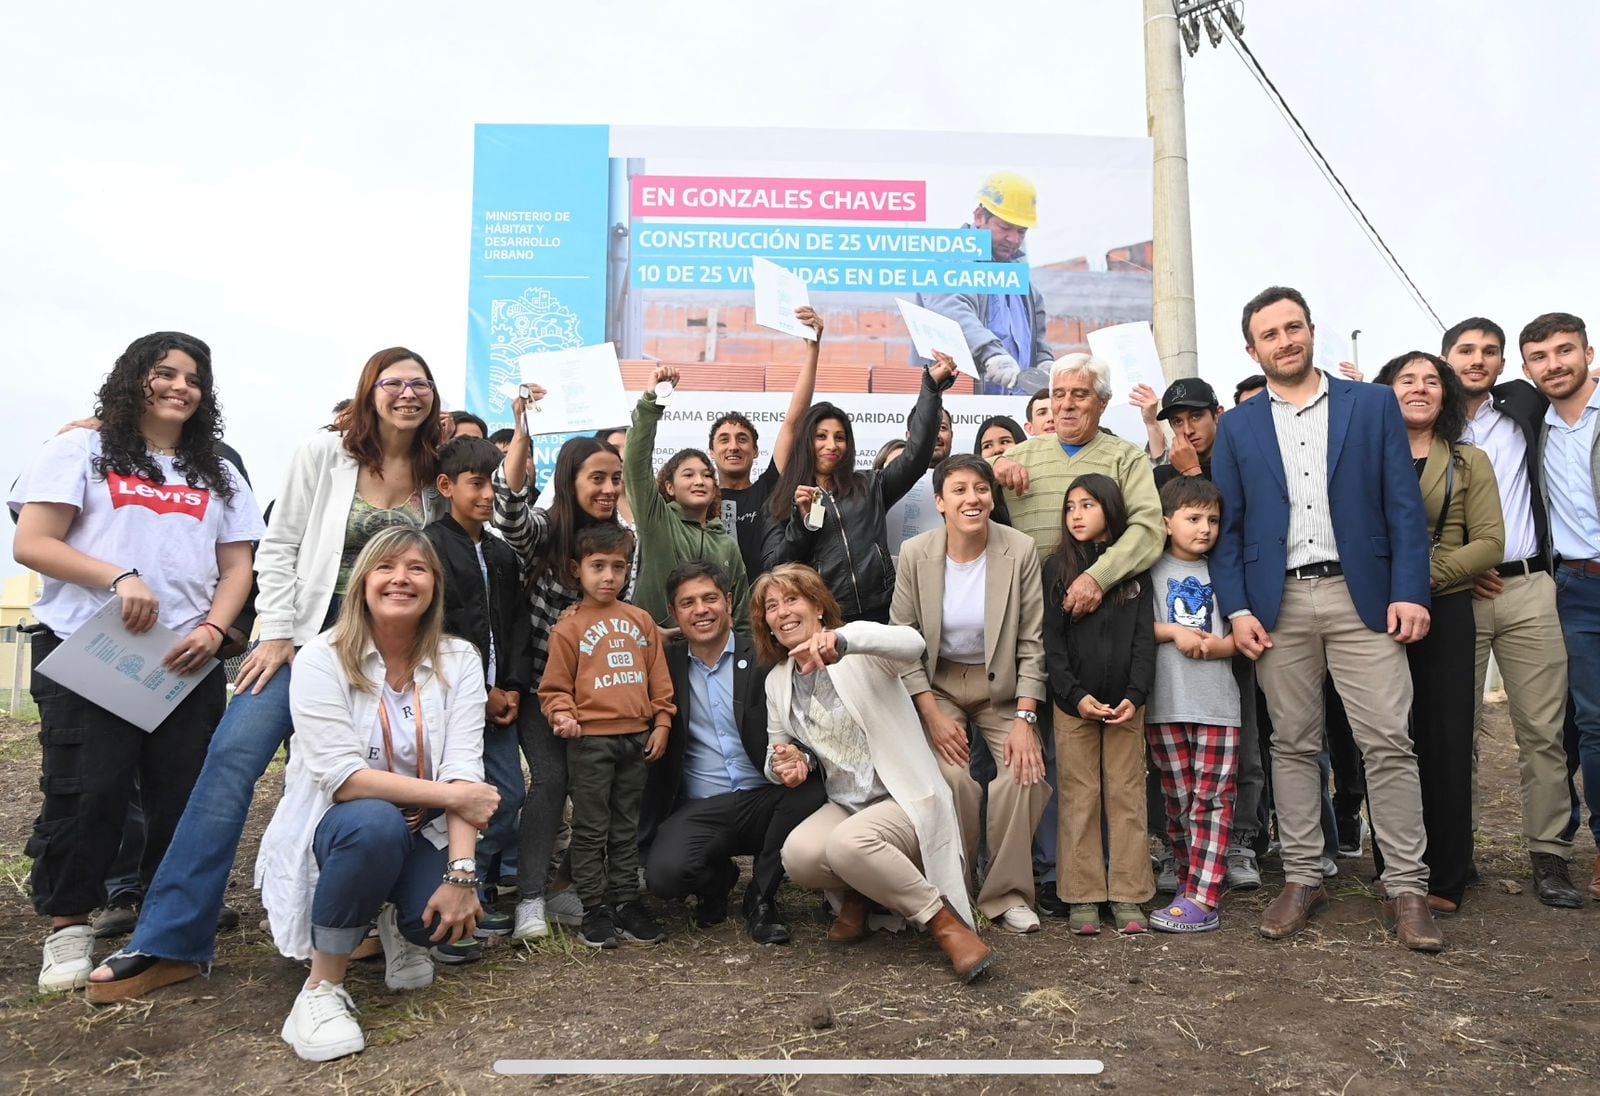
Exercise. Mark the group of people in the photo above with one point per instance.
(1099, 642)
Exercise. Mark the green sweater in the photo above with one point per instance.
(668, 537)
(1037, 512)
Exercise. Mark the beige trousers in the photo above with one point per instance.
(1523, 630)
(1102, 767)
(962, 693)
(1319, 633)
(873, 852)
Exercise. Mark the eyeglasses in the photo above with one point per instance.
(397, 387)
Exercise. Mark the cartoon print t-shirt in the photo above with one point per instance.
(1190, 690)
(169, 531)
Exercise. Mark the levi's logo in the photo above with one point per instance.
(162, 498)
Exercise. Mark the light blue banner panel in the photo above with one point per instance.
(836, 276)
(673, 240)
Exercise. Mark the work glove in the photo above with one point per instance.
(1002, 369)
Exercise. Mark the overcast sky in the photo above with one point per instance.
(293, 183)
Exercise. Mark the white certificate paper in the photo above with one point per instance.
(1130, 350)
(779, 292)
(105, 663)
(584, 389)
(931, 331)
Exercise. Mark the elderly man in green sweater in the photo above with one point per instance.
(1036, 474)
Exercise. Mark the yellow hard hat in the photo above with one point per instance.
(1011, 197)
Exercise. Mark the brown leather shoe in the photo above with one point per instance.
(850, 924)
(1594, 883)
(1440, 905)
(968, 954)
(1291, 910)
(1408, 916)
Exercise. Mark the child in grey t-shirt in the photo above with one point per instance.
(1192, 718)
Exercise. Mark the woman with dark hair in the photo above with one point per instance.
(831, 517)
(996, 435)
(678, 515)
(1465, 524)
(836, 704)
(972, 589)
(585, 488)
(342, 489)
(384, 794)
(146, 509)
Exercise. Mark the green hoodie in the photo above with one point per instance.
(667, 536)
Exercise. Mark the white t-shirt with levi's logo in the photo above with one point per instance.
(169, 531)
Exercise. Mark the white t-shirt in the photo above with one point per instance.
(961, 626)
(402, 730)
(169, 531)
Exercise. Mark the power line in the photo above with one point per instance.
(1276, 96)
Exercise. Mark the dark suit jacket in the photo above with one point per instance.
(663, 784)
(1379, 524)
(1525, 405)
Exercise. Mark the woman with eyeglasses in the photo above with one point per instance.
(342, 489)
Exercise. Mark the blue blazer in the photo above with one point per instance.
(1379, 524)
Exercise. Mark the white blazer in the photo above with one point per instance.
(333, 722)
(868, 681)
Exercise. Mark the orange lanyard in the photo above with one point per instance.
(413, 815)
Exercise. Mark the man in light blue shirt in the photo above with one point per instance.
(1557, 358)
(707, 799)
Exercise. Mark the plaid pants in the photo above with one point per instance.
(1197, 765)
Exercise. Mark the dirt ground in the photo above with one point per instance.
(1513, 1004)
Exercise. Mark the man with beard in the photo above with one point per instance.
(1004, 331)
(1310, 596)
(1557, 358)
(707, 800)
(1514, 604)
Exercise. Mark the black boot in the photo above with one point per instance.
(1551, 884)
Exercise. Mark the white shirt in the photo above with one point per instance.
(169, 531)
(401, 709)
(961, 618)
(1303, 445)
(1501, 438)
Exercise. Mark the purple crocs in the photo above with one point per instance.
(1182, 915)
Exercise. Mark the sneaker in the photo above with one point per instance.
(598, 929)
(494, 923)
(507, 887)
(1018, 919)
(1083, 919)
(530, 922)
(1243, 873)
(1050, 904)
(1184, 916)
(1167, 877)
(322, 1026)
(453, 955)
(405, 965)
(1330, 867)
(1352, 835)
(68, 959)
(1129, 918)
(117, 919)
(636, 926)
(564, 908)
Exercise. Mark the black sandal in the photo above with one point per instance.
(133, 976)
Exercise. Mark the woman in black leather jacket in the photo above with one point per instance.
(849, 547)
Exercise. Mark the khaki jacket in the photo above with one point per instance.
(1474, 536)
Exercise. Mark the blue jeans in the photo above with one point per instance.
(1578, 602)
(179, 917)
(502, 767)
(366, 855)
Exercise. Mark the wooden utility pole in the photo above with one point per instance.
(1173, 273)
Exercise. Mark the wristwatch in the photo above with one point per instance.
(466, 865)
(1030, 718)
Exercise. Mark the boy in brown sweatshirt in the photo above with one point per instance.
(607, 691)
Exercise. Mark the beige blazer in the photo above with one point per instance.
(1013, 616)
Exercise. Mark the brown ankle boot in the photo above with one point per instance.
(968, 954)
(850, 923)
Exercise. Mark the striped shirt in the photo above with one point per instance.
(1303, 444)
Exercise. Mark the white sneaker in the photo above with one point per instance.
(322, 1026)
(405, 965)
(1330, 867)
(1018, 919)
(68, 959)
(530, 920)
(565, 908)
